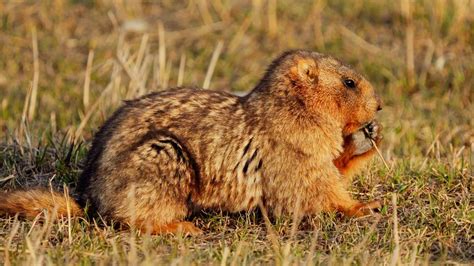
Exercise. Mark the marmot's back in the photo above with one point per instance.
(197, 124)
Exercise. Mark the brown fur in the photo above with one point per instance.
(288, 142)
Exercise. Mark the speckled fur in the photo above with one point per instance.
(288, 142)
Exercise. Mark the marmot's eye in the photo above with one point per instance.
(349, 83)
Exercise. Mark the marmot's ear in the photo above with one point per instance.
(304, 70)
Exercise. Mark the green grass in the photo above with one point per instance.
(428, 122)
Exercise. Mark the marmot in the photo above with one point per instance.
(296, 138)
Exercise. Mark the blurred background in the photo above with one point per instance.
(65, 65)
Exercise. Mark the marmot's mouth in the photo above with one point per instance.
(364, 125)
(351, 128)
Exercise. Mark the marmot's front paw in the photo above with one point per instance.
(363, 138)
(363, 209)
(373, 131)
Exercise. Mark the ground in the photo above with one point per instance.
(66, 65)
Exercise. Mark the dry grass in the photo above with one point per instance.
(65, 66)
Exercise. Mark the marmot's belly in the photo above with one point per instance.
(238, 193)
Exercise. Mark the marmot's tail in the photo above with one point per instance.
(30, 203)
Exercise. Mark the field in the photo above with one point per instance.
(66, 65)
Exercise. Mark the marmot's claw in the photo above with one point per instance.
(371, 207)
(364, 209)
(372, 130)
(364, 139)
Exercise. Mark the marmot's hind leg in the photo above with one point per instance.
(185, 228)
(161, 180)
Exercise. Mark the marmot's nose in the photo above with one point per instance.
(379, 103)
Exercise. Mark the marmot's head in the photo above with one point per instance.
(321, 85)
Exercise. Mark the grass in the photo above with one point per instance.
(66, 65)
